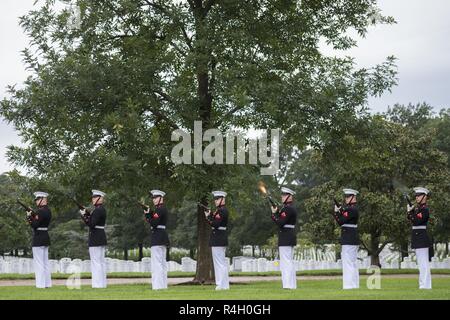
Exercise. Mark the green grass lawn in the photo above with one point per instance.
(392, 288)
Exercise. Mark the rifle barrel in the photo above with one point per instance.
(336, 202)
(272, 202)
(407, 200)
(25, 207)
(80, 206)
(144, 206)
(202, 205)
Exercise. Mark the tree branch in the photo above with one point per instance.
(191, 4)
(382, 247)
(121, 36)
(157, 6)
(208, 5)
(198, 4)
(164, 95)
(186, 37)
(226, 115)
(365, 247)
(158, 114)
(175, 20)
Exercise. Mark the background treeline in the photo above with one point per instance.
(381, 155)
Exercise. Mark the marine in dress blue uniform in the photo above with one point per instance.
(419, 217)
(96, 221)
(347, 218)
(40, 222)
(218, 241)
(286, 219)
(159, 240)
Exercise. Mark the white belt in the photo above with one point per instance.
(350, 225)
(220, 228)
(42, 229)
(99, 227)
(160, 227)
(419, 227)
(289, 226)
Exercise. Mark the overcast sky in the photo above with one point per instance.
(420, 40)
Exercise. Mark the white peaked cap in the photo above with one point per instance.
(156, 193)
(98, 193)
(40, 194)
(219, 194)
(350, 192)
(287, 190)
(421, 190)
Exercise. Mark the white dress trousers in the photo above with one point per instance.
(287, 267)
(220, 268)
(41, 267)
(350, 272)
(98, 266)
(422, 255)
(159, 267)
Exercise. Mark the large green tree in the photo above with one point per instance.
(423, 120)
(14, 230)
(383, 160)
(106, 93)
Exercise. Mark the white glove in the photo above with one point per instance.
(83, 212)
(207, 213)
(29, 213)
(409, 208)
(147, 211)
(336, 208)
(274, 209)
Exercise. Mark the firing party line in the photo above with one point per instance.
(284, 215)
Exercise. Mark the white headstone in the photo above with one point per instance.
(146, 264)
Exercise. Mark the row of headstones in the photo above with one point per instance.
(410, 262)
(67, 265)
(245, 264)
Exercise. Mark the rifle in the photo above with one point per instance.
(336, 202)
(273, 203)
(262, 188)
(81, 207)
(33, 213)
(26, 207)
(407, 199)
(143, 206)
(203, 206)
(405, 195)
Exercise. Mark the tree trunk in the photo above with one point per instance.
(374, 245)
(404, 250)
(167, 253)
(125, 254)
(191, 253)
(204, 272)
(446, 248)
(338, 253)
(253, 251)
(141, 251)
